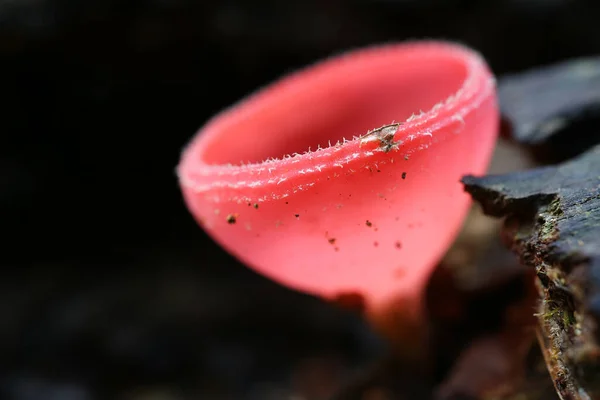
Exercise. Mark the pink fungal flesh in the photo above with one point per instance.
(291, 183)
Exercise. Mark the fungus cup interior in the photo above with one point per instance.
(366, 213)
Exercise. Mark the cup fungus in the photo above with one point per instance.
(344, 177)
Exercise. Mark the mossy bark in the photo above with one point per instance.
(552, 221)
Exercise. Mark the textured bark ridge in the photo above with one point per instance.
(553, 224)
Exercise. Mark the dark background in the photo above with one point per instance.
(109, 289)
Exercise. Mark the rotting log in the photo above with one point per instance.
(552, 222)
(554, 110)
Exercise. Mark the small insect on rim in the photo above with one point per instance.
(385, 136)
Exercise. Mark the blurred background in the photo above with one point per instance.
(109, 290)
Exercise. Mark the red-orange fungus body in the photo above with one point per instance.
(258, 152)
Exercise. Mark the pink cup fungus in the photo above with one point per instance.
(344, 177)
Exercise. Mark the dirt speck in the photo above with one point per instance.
(231, 218)
(404, 175)
(398, 245)
(297, 215)
(375, 244)
(406, 157)
(369, 223)
(331, 240)
(255, 205)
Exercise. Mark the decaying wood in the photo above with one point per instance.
(554, 109)
(553, 224)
